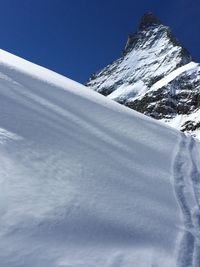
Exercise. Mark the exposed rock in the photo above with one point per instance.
(148, 20)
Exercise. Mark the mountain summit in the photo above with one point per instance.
(149, 20)
(155, 76)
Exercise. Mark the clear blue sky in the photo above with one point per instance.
(78, 37)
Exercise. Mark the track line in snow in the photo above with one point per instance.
(186, 173)
(195, 175)
(195, 180)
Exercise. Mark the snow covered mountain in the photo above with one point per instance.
(85, 181)
(155, 76)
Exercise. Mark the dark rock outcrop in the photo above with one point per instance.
(148, 20)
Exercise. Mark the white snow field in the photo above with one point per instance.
(87, 182)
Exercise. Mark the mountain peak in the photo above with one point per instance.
(148, 20)
(154, 76)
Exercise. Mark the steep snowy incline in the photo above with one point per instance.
(149, 55)
(85, 181)
(174, 74)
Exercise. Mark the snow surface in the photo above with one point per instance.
(86, 182)
(174, 74)
(179, 120)
(130, 91)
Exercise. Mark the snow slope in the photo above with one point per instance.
(174, 74)
(88, 182)
(150, 54)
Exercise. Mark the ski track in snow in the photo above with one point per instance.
(187, 191)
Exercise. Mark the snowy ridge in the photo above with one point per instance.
(85, 181)
(174, 74)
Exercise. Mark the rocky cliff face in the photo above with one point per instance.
(155, 76)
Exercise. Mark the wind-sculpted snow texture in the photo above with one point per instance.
(155, 76)
(86, 182)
